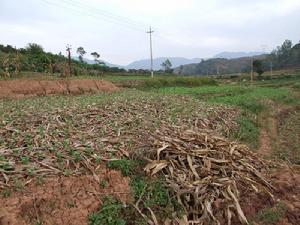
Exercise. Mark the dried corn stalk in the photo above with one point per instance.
(206, 173)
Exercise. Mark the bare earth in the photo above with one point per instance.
(30, 88)
(63, 200)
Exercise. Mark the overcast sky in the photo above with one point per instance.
(116, 28)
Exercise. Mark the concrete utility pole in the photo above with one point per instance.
(17, 61)
(69, 58)
(151, 55)
(251, 71)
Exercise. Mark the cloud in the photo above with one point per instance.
(117, 28)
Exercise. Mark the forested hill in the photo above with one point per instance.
(284, 56)
(33, 58)
(218, 66)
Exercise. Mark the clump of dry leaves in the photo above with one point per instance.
(208, 174)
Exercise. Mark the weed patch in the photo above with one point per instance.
(156, 195)
(124, 165)
(272, 216)
(109, 214)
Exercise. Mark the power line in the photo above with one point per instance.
(80, 8)
(109, 17)
(104, 13)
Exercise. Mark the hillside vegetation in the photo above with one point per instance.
(33, 58)
(283, 57)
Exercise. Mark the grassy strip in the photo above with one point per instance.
(252, 101)
(161, 82)
(247, 132)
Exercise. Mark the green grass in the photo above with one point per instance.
(251, 100)
(287, 147)
(160, 82)
(271, 216)
(248, 98)
(296, 86)
(116, 78)
(247, 131)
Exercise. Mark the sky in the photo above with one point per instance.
(116, 29)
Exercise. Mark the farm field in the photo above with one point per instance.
(163, 151)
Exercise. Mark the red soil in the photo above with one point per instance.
(287, 191)
(63, 200)
(29, 88)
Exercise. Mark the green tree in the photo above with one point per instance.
(34, 49)
(167, 65)
(81, 52)
(96, 58)
(258, 67)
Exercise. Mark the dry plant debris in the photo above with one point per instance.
(73, 139)
(208, 173)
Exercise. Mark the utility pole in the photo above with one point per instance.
(151, 54)
(251, 71)
(69, 58)
(271, 68)
(17, 61)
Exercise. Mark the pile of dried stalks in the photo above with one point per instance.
(209, 174)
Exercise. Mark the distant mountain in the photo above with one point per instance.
(176, 61)
(234, 55)
(91, 62)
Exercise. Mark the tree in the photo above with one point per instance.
(258, 67)
(81, 52)
(96, 58)
(167, 65)
(34, 49)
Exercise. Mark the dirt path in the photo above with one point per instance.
(270, 122)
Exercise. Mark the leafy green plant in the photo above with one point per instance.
(124, 165)
(6, 192)
(109, 214)
(271, 216)
(104, 183)
(6, 166)
(25, 160)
